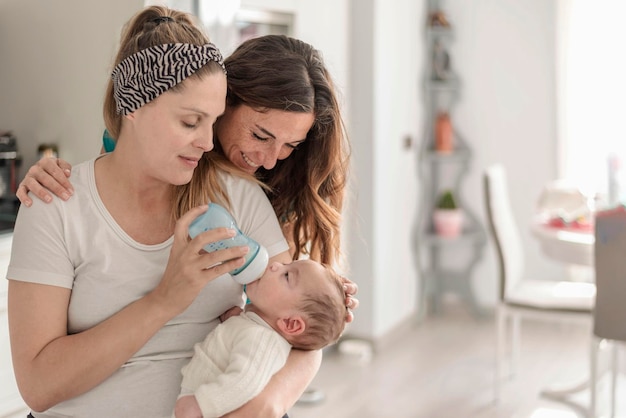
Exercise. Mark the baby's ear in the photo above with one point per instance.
(293, 325)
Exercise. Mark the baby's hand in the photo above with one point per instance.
(187, 407)
(234, 311)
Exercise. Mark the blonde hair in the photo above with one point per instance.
(205, 185)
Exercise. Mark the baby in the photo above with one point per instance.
(299, 305)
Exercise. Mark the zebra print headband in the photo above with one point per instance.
(143, 76)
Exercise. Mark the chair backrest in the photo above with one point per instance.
(609, 313)
(503, 228)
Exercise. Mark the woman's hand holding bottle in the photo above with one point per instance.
(190, 268)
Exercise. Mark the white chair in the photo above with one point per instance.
(519, 296)
(610, 311)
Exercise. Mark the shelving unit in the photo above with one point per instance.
(445, 263)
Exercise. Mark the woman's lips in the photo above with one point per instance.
(190, 161)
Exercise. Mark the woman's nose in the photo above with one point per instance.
(271, 157)
(275, 153)
(205, 140)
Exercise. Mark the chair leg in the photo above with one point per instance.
(593, 375)
(614, 370)
(502, 348)
(515, 344)
(500, 332)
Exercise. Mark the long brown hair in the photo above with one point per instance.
(307, 188)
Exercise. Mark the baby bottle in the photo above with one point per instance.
(255, 260)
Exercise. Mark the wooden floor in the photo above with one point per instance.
(444, 367)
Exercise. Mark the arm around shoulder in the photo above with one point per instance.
(48, 176)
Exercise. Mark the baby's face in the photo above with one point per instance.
(282, 285)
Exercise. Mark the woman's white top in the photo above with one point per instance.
(78, 245)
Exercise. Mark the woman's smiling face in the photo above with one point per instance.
(252, 139)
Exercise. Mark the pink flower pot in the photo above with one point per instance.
(448, 222)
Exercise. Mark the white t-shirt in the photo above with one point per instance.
(78, 245)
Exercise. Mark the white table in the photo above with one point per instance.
(572, 247)
(569, 246)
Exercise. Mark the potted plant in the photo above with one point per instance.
(447, 216)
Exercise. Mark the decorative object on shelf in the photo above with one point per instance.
(441, 61)
(447, 216)
(445, 255)
(444, 135)
(438, 18)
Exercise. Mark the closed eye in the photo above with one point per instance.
(259, 138)
(191, 121)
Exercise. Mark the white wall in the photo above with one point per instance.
(504, 52)
(386, 57)
(55, 62)
(398, 59)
